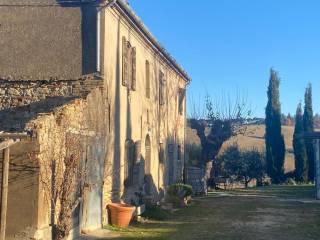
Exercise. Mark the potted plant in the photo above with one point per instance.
(121, 214)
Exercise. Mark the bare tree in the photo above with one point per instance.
(222, 119)
(62, 174)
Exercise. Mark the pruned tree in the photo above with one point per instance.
(300, 154)
(275, 145)
(222, 119)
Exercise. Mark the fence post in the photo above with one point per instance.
(4, 192)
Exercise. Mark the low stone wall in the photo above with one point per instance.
(21, 101)
(21, 93)
(196, 178)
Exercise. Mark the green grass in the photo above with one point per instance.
(156, 213)
(274, 212)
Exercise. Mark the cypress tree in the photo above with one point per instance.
(300, 154)
(309, 127)
(275, 146)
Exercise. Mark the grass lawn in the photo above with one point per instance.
(282, 212)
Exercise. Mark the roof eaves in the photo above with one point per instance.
(138, 22)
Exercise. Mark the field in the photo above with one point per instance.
(253, 137)
(281, 212)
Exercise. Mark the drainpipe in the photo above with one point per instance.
(99, 9)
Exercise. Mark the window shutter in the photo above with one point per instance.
(133, 68)
(137, 151)
(147, 79)
(162, 90)
(125, 62)
(181, 95)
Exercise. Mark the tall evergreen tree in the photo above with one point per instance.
(308, 126)
(300, 154)
(275, 146)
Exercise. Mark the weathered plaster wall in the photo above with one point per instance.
(46, 39)
(23, 192)
(134, 116)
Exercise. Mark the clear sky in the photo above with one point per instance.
(230, 45)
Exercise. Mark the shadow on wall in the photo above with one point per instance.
(116, 181)
(140, 187)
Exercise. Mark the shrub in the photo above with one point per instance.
(155, 213)
(180, 190)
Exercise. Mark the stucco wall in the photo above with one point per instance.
(42, 40)
(23, 192)
(131, 108)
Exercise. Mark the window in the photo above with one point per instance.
(147, 79)
(162, 88)
(125, 61)
(181, 96)
(129, 67)
(179, 153)
(147, 155)
(133, 69)
(129, 162)
(171, 163)
(161, 153)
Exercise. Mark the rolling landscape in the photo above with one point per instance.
(253, 138)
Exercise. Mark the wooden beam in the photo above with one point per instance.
(4, 192)
(14, 135)
(8, 143)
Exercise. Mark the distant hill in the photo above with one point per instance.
(254, 137)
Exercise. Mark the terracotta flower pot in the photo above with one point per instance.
(121, 214)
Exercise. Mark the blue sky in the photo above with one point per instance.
(230, 45)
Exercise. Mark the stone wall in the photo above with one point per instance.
(21, 101)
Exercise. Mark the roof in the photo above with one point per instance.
(145, 31)
(125, 9)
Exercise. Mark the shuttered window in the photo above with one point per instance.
(181, 95)
(147, 79)
(162, 88)
(133, 69)
(129, 65)
(125, 62)
(130, 159)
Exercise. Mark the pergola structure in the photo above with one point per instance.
(315, 136)
(9, 139)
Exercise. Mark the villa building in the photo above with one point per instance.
(87, 70)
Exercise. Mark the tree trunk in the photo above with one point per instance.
(208, 170)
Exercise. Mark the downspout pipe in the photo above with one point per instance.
(99, 10)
